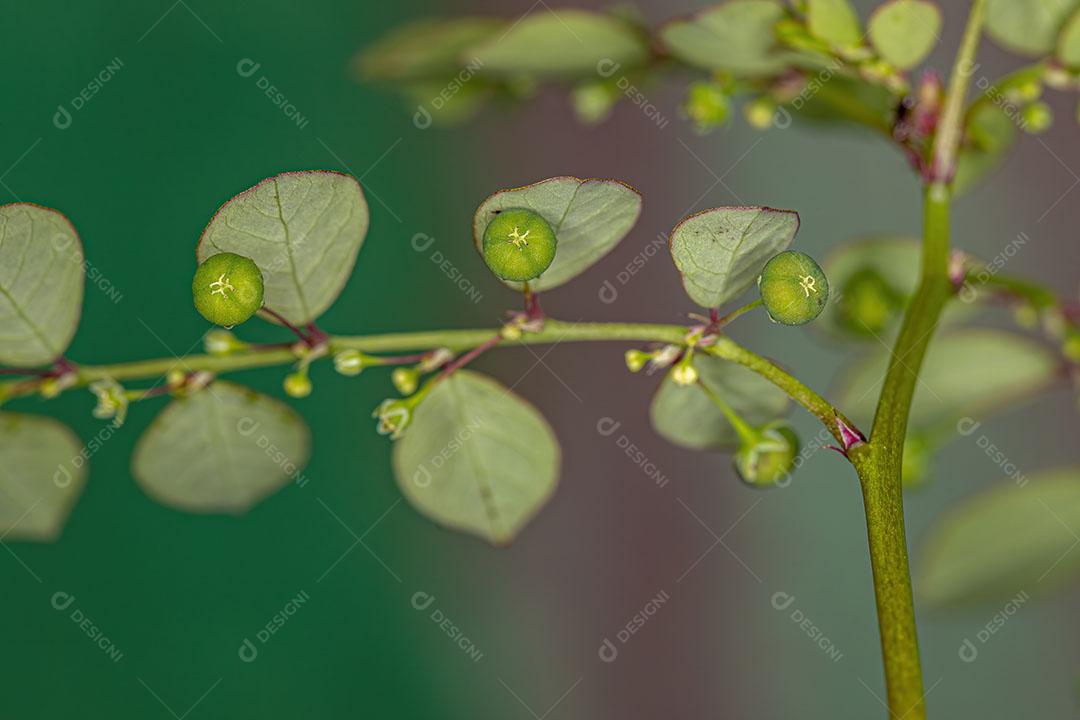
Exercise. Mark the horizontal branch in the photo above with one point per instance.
(553, 331)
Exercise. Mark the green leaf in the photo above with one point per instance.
(303, 230)
(834, 21)
(41, 284)
(905, 31)
(1028, 27)
(721, 252)
(220, 450)
(1068, 44)
(967, 371)
(737, 36)
(432, 49)
(561, 42)
(1016, 538)
(589, 218)
(477, 458)
(42, 473)
(895, 260)
(991, 133)
(685, 415)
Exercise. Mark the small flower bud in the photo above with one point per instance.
(297, 384)
(793, 288)
(510, 331)
(1037, 118)
(394, 416)
(685, 373)
(175, 378)
(112, 400)
(760, 112)
(221, 342)
(405, 380)
(350, 362)
(636, 359)
(519, 245)
(768, 460)
(227, 289)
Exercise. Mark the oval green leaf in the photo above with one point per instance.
(685, 416)
(721, 252)
(477, 458)
(560, 42)
(1068, 44)
(967, 371)
(1013, 539)
(737, 36)
(303, 230)
(834, 21)
(905, 31)
(42, 473)
(41, 284)
(1028, 27)
(426, 50)
(220, 450)
(589, 218)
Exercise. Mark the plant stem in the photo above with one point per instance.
(554, 331)
(880, 462)
(746, 434)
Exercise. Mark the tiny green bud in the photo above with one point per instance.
(112, 400)
(1037, 118)
(867, 303)
(760, 112)
(793, 288)
(707, 105)
(685, 373)
(227, 289)
(221, 342)
(769, 459)
(394, 416)
(297, 384)
(510, 331)
(350, 362)
(636, 359)
(405, 380)
(519, 245)
(175, 378)
(50, 388)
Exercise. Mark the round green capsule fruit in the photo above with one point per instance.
(771, 458)
(519, 245)
(793, 288)
(227, 289)
(868, 304)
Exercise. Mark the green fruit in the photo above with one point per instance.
(868, 304)
(227, 289)
(793, 288)
(769, 459)
(519, 245)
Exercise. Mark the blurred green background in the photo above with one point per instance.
(177, 130)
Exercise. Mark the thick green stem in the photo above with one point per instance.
(880, 462)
